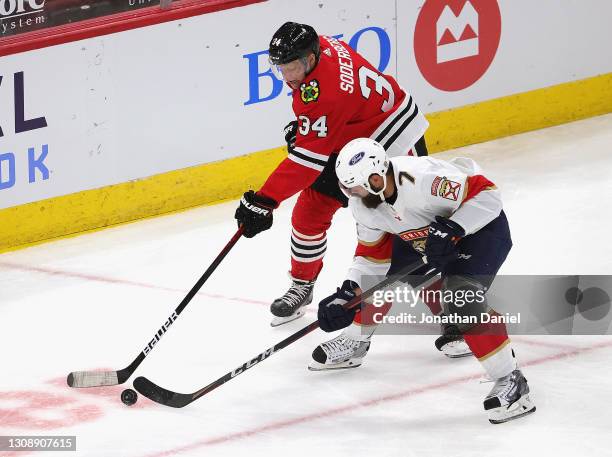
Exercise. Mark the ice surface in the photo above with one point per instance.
(94, 301)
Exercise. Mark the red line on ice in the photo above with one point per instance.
(125, 282)
(545, 344)
(364, 404)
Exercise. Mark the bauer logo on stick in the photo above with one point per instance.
(163, 329)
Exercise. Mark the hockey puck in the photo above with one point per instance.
(129, 397)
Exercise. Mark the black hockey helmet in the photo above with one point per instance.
(293, 41)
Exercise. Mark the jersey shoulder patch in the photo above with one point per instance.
(445, 188)
(310, 91)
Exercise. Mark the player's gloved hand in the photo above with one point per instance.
(254, 213)
(332, 315)
(441, 245)
(290, 131)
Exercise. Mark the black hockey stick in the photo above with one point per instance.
(112, 378)
(178, 400)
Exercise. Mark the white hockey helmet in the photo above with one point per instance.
(357, 161)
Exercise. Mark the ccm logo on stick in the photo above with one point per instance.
(260, 358)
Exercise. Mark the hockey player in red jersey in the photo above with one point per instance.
(407, 207)
(337, 96)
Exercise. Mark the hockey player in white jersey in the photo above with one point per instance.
(407, 207)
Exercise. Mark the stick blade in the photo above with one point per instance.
(160, 395)
(92, 379)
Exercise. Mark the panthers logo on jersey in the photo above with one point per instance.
(310, 92)
(417, 237)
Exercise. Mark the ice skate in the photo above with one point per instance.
(451, 342)
(340, 352)
(509, 399)
(291, 305)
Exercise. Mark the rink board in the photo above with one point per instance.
(180, 132)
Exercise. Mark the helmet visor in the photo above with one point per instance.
(291, 71)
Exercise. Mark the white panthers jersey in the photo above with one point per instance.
(426, 188)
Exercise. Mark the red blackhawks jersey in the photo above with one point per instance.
(343, 98)
(426, 188)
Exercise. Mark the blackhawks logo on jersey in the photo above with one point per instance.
(310, 92)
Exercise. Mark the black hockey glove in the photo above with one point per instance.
(441, 245)
(290, 131)
(254, 213)
(332, 314)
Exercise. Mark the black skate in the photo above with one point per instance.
(451, 342)
(509, 399)
(290, 306)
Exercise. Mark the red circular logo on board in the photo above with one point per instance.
(455, 41)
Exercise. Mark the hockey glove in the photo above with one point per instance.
(290, 131)
(441, 245)
(254, 213)
(332, 314)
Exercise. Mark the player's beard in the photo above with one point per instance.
(371, 201)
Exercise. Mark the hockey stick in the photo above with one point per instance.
(112, 378)
(178, 400)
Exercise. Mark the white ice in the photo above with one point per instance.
(93, 301)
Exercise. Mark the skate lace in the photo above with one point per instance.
(339, 346)
(337, 343)
(296, 293)
(503, 387)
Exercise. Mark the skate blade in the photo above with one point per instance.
(316, 366)
(458, 356)
(276, 321)
(456, 349)
(521, 408)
